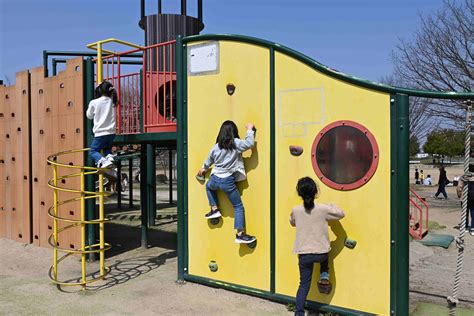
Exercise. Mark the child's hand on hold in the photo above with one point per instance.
(250, 126)
(201, 172)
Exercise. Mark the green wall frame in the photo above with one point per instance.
(399, 102)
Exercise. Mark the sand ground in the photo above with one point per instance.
(432, 268)
(142, 281)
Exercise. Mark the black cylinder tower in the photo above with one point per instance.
(161, 27)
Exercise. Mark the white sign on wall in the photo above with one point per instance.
(203, 59)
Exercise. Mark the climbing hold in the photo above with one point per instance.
(214, 221)
(296, 150)
(253, 244)
(213, 266)
(230, 89)
(349, 243)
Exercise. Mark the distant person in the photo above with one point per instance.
(226, 156)
(442, 182)
(417, 176)
(428, 180)
(312, 240)
(469, 178)
(102, 111)
(422, 177)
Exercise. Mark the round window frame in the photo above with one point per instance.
(373, 166)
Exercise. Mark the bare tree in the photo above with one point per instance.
(440, 57)
(421, 122)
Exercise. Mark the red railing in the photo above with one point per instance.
(159, 88)
(418, 218)
(146, 89)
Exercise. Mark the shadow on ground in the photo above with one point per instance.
(123, 271)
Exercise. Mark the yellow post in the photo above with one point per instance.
(55, 223)
(101, 225)
(99, 63)
(83, 228)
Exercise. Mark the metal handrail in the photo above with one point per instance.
(98, 47)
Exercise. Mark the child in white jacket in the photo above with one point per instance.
(102, 111)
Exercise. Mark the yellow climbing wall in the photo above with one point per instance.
(305, 102)
(247, 67)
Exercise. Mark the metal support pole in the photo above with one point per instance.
(130, 182)
(90, 179)
(101, 225)
(143, 198)
(151, 183)
(402, 208)
(181, 150)
(55, 223)
(170, 177)
(45, 63)
(83, 228)
(183, 7)
(99, 63)
(200, 10)
(159, 7)
(55, 66)
(118, 187)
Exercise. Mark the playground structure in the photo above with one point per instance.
(175, 94)
(418, 216)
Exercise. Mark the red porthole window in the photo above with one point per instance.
(345, 155)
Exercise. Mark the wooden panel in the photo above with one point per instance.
(21, 216)
(9, 99)
(57, 125)
(3, 118)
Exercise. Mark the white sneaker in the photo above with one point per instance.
(107, 163)
(100, 162)
(110, 157)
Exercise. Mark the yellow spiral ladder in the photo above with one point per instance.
(53, 212)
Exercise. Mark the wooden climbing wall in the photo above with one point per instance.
(47, 113)
(15, 212)
(57, 125)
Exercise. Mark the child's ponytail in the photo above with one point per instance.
(307, 190)
(106, 89)
(308, 202)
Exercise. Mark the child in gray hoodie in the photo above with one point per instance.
(226, 155)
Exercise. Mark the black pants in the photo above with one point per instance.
(442, 189)
(306, 263)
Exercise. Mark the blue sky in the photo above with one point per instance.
(353, 36)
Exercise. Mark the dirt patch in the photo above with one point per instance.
(26, 289)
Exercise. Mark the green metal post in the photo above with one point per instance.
(143, 197)
(90, 179)
(399, 206)
(55, 66)
(151, 183)
(130, 182)
(180, 156)
(119, 184)
(45, 63)
(170, 177)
